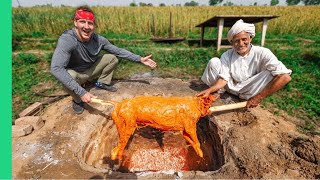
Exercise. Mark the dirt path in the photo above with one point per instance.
(254, 143)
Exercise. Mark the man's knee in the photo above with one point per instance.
(78, 77)
(110, 59)
(210, 74)
(215, 64)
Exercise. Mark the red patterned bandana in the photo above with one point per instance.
(82, 14)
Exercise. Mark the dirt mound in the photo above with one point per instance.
(247, 143)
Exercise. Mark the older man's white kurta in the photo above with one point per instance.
(246, 76)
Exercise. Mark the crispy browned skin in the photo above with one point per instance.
(167, 114)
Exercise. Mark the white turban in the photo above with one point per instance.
(240, 26)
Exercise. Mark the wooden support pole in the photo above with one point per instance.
(264, 30)
(202, 36)
(220, 30)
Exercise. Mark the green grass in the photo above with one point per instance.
(28, 70)
(300, 97)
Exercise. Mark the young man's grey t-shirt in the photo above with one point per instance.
(71, 53)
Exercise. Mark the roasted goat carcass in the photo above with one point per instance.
(163, 113)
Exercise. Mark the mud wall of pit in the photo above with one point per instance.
(94, 155)
(211, 146)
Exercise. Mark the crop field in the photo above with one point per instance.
(293, 37)
(138, 20)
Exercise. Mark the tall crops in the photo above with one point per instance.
(138, 20)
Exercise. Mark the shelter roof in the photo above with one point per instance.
(229, 20)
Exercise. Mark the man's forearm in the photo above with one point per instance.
(218, 85)
(277, 83)
(65, 78)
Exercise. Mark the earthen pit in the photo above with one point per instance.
(150, 149)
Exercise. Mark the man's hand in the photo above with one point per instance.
(87, 97)
(254, 101)
(148, 61)
(204, 93)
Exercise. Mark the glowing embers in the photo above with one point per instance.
(154, 150)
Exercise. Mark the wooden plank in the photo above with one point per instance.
(228, 107)
(167, 40)
(31, 110)
(225, 46)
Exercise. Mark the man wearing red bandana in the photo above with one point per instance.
(77, 59)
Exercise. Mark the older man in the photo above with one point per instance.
(77, 58)
(248, 71)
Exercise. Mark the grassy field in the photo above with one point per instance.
(138, 20)
(295, 41)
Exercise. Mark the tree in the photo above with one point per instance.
(292, 2)
(214, 2)
(274, 2)
(142, 4)
(311, 2)
(133, 4)
(228, 4)
(191, 3)
(162, 4)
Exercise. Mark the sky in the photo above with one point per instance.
(29, 3)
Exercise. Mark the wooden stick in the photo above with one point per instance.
(102, 102)
(228, 107)
(170, 26)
